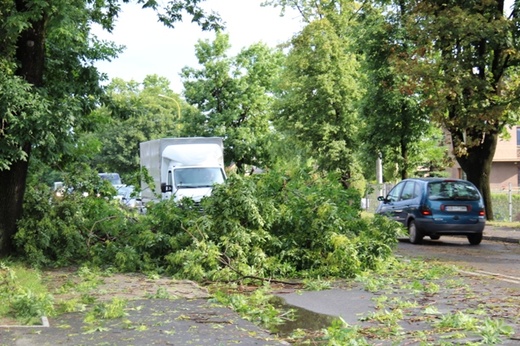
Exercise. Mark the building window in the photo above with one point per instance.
(518, 136)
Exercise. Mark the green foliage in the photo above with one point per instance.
(234, 97)
(462, 63)
(395, 122)
(492, 331)
(48, 45)
(341, 333)
(277, 225)
(319, 90)
(291, 224)
(501, 206)
(134, 112)
(232, 235)
(23, 295)
(256, 306)
(22, 119)
(69, 229)
(107, 310)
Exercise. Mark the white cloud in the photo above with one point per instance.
(152, 48)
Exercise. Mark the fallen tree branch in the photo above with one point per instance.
(227, 263)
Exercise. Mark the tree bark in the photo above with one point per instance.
(12, 189)
(30, 56)
(477, 166)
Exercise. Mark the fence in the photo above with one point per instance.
(505, 201)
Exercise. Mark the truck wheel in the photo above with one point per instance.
(415, 234)
(475, 239)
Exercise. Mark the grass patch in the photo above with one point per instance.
(514, 224)
(25, 298)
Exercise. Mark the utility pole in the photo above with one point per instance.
(379, 174)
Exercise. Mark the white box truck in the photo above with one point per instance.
(182, 167)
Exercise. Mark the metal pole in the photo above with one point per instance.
(379, 173)
(510, 200)
(176, 103)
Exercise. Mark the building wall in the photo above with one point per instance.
(507, 148)
(503, 174)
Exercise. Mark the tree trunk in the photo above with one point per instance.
(30, 55)
(477, 166)
(404, 156)
(12, 189)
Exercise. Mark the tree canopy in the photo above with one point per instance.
(134, 112)
(396, 123)
(319, 90)
(464, 61)
(47, 51)
(234, 97)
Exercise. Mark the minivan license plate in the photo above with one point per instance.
(456, 208)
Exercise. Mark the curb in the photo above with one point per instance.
(503, 239)
(45, 324)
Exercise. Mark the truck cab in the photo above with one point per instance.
(193, 182)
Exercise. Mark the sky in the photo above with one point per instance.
(152, 48)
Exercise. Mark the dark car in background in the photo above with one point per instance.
(434, 207)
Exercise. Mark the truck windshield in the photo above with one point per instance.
(197, 177)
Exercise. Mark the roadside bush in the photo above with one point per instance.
(283, 225)
(277, 224)
(502, 207)
(230, 238)
(66, 230)
(322, 231)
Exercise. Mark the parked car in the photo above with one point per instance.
(434, 207)
(125, 194)
(113, 178)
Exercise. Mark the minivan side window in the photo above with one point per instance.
(395, 193)
(417, 190)
(408, 191)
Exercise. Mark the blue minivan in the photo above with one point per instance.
(436, 206)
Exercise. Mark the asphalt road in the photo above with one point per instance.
(490, 270)
(498, 258)
(148, 322)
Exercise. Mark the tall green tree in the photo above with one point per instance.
(465, 61)
(395, 122)
(234, 95)
(47, 54)
(320, 89)
(134, 112)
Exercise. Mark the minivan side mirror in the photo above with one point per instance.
(382, 199)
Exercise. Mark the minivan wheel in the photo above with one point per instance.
(475, 239)
(415, 235)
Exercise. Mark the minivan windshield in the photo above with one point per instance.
(452, 190)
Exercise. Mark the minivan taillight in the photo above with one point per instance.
(425, 211)
(482, 212)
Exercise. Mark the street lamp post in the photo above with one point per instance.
(174, 100)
